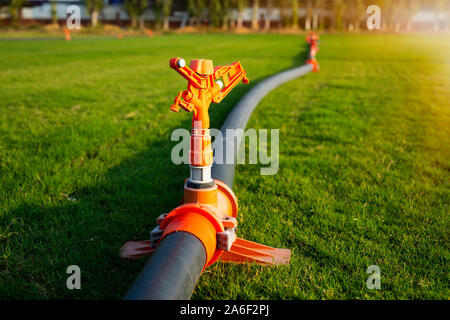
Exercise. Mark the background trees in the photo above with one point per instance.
(345, 15)
(215, 12)
(269, 6)
(219, 13)
(94, 7)
(294, 13)
(225, 15)
(135, 9)
(356, 10)
(412, 9)
(196, 9)
(255, 15)
(14, 11)
(53, 12)
(240, 6)
(318, 16)
(166, 6)
(163, 9)
(338, 14)
(439, 7)
(284, 7)
(309, 14)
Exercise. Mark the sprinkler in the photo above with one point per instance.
(207, 214)
(313, 41)
(67, 36)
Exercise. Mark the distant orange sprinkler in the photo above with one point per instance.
(209, 207)
(313, 41)
(67, 34)
(149, 33)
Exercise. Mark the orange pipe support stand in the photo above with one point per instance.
(205, 213)
(208, 213)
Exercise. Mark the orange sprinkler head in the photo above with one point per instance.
(202, 66)
(206, 84)
(312, 37)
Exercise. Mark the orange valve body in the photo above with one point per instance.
(204, 213)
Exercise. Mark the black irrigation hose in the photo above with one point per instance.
(173, 270)
(238, 118)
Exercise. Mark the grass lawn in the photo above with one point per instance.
(364, 164)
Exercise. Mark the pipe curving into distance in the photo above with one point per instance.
(239, 116)
(173, 270)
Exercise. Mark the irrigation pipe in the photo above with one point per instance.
(172, 271)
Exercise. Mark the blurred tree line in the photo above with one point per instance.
(348, 15)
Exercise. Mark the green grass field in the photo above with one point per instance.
(364, 164)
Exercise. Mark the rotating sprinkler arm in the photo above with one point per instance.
(181, 103)
(231, 75)
(205, 85)
(179, 65)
